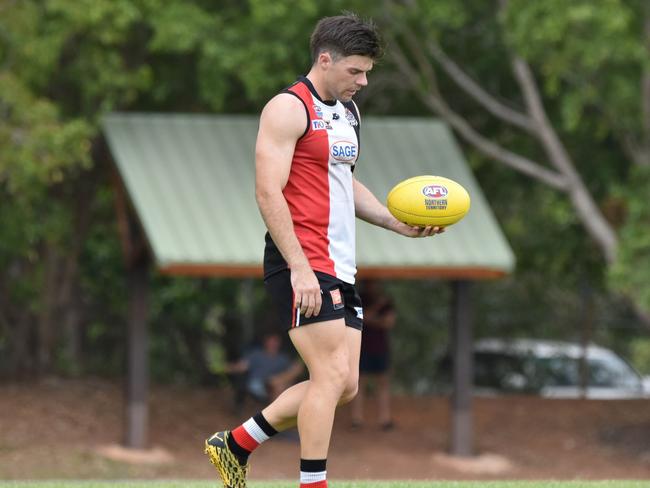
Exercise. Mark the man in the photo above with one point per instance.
(264, 372)
(307, 146)
(378, 319)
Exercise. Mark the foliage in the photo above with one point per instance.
(631, 273)
(640, 355)
(65, 64)
(590, 55)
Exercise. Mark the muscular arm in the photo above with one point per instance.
(282, 122)
(371, 210)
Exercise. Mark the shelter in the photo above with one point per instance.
(190, 183)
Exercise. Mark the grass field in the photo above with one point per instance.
(333, 484)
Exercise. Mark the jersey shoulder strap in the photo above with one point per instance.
(292, 90)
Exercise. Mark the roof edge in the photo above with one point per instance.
(223, 270)
(400, 272)
(425, 272)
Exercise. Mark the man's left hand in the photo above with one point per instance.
(411, 231)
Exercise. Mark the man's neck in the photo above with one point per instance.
(319, 85)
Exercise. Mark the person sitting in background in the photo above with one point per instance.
(264, 372)
(378, 319)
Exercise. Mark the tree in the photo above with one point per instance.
(563, 58)
(63, 65)
(572, 51)
(631, 273)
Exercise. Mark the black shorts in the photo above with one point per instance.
(374, 363)
(340, 300)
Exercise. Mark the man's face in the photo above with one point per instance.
(345, 76)
(272, 344)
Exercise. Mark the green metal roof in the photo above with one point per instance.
(191, 181)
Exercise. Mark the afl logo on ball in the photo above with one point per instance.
(434, 191)
(344, 151)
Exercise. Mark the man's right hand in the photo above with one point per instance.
(306, 290)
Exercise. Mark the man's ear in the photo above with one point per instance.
(325, 59)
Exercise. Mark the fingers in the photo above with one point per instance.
(308, 308)
(428, 231)
(302, 302)
(309, 302)
(319, 302)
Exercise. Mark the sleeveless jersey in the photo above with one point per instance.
(319, 189)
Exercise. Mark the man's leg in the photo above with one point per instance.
(333, 377)
(282, 413)
(383, 401)
(323, 347)
(358, 402)
(331, 352)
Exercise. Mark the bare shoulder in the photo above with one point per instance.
(284, 115)
(284, 101)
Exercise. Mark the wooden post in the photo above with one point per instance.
(137, 378)
(137, 259)
(463, 370)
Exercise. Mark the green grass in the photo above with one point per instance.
(333, 484)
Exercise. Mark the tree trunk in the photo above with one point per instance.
(586, 208)
(46, 338)
(563, 176)
(642, 155)
(69, 301)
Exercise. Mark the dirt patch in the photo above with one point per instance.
(153, 455)
(57, 429)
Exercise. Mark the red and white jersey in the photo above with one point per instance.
(319, 189)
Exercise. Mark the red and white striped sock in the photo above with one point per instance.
(247, 437)
(313, 473)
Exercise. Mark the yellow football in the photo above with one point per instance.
(428, 200)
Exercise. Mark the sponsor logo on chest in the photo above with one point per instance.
(352, 120)
(319, 124)
(344, 151)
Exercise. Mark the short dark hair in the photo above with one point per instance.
(345, 35)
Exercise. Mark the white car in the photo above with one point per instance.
(554, 369)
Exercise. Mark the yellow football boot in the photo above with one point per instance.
(232, 473)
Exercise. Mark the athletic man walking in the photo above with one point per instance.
(307, 147)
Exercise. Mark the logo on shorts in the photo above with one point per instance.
(337, 301)
(359, 311)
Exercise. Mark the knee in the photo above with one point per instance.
(333, 379)
(351, 388)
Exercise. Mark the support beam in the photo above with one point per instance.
(137, 263)
(137, 382)
(463, 370)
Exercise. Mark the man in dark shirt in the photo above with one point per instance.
(378, 320)
(267, 370)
